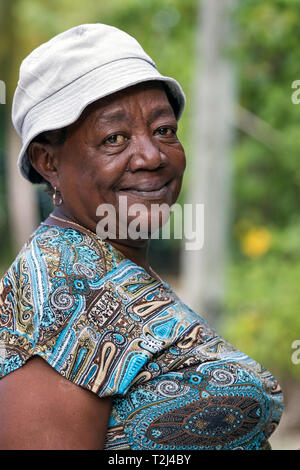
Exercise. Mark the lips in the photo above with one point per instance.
(148, 189)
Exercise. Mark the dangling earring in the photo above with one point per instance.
(57, 197)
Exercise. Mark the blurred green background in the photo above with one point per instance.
(261, 308)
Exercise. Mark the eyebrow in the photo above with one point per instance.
(160, 112)
(111, 116)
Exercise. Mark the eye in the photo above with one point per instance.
(116, 139)
(166, 131)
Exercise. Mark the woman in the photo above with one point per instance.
(97, 351)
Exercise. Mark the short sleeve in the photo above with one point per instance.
(17, 320)
(61, 300)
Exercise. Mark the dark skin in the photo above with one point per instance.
(122, 145)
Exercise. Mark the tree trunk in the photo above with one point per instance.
(202, 282)
(22, 200)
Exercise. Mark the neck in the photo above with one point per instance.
(136, 253)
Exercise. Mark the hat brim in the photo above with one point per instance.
(66, 105)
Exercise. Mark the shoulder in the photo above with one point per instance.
(73, 250)
(46, 291)
(54, 259)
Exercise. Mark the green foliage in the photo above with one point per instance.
(267, 181)
(262, 316)
(262, 304)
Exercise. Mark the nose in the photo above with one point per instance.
(146, 154)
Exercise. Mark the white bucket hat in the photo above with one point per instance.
(64, 75)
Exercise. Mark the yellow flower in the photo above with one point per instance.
(256, 242)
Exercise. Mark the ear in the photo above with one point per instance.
(43, 160)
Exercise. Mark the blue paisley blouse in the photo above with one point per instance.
(105, 324)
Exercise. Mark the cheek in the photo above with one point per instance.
(179, 162)
(85, 174)
(182, 160)
(177, 159)
(180, 165)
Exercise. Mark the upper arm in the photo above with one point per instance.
(40, 409)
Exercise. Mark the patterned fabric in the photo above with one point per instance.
(105, 324)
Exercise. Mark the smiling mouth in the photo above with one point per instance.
(147, 193)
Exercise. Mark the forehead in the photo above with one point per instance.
(150, 97)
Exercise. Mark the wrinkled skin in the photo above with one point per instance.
(122, 145)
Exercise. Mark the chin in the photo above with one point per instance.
(146, 223)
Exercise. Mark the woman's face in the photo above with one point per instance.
(123, 145)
